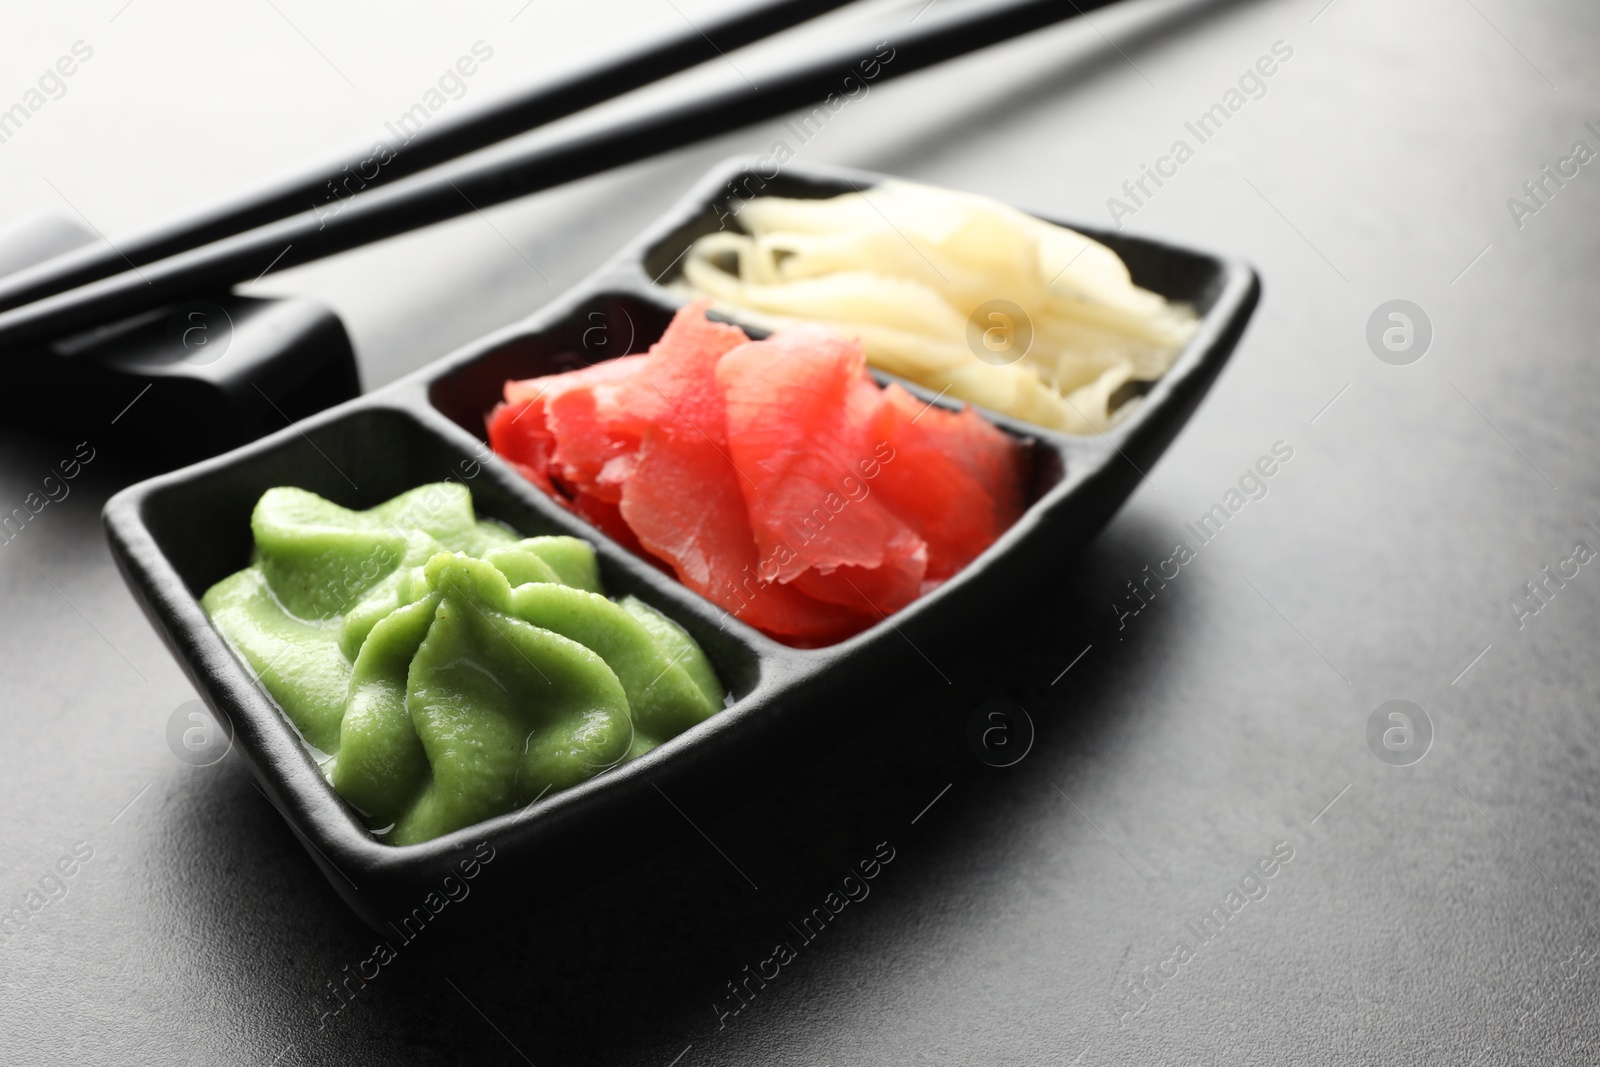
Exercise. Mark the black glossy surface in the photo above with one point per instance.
(1430, 914)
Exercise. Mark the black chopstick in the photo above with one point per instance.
(427, 199)
(437, 143)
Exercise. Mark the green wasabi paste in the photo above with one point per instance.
(444, 670)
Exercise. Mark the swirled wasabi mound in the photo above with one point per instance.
(444, 670)
(954, 291)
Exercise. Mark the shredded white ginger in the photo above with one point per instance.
(905, 268)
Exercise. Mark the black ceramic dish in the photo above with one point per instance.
(173, 536)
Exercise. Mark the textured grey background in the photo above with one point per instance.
(1437, 913)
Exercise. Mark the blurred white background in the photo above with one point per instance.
(185, 103)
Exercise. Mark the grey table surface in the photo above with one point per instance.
(1440, 911)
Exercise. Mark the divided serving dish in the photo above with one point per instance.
(173, 536)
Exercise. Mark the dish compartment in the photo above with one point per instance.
(1212, 286)
(176, 535)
